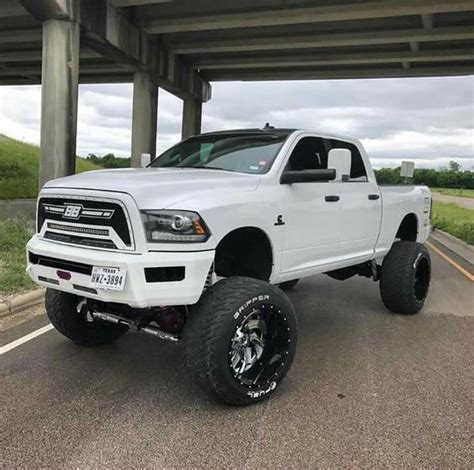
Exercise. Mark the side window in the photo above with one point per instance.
(358, 171)
(309, 154)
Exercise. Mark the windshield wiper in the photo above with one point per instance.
(206, 168)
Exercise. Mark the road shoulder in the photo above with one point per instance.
(459, 250)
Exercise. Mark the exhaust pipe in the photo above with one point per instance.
(118, 320)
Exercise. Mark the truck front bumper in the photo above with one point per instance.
(46, 258)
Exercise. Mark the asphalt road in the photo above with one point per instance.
(367, 389)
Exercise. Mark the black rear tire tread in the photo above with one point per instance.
(207, 330)
(61, 308)
(397, 277)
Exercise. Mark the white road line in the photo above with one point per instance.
(24, 339)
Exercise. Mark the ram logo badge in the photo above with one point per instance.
(72, 212)
(76, 211)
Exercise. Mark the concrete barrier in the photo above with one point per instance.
(17, 208)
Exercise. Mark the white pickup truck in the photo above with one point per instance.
(199, 245)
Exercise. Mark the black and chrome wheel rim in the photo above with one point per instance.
(259, 346)
(422, 278)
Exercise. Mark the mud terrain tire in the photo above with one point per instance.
(405, 277)
(234, 316)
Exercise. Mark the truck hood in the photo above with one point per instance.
(158, 188)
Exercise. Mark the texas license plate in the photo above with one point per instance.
(108, 278)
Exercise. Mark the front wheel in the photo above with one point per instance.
(240, 340)
(68, 314)
(405, 277)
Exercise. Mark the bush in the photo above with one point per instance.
(109, 161)
(443, 178)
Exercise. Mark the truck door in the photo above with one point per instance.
(312, 220)
(360, 205)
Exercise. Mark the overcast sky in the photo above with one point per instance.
(429, 120)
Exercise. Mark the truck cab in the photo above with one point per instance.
(142, 248)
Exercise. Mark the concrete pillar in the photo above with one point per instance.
(144, 115)
(60, 74)
(192, 116)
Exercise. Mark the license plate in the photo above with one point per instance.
(108, 278)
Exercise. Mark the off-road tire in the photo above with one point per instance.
(288, 285)
(405, 277)
(61, 309)
(210, 328)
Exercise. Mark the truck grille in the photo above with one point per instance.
(85, 221)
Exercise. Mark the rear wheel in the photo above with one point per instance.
(405, 277)
(240, 340)
(69, 315)
(288, 285)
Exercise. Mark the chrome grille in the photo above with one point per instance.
(74, 229)
(101, 223)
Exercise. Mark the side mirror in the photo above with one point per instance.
(307, 176)
(145, 159)
(341, 161)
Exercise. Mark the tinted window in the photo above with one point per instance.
(309, 154)
(357, 164)
(244, 153)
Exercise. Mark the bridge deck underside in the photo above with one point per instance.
(276, 40)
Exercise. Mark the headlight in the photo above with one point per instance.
(174, 226)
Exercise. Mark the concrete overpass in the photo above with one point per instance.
(183, 45)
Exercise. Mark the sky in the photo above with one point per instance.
(428, 120)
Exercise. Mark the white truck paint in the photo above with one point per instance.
(308, 234)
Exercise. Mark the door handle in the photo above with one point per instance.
(331, 198)
(374, 197)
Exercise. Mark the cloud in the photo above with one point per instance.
(429, 120)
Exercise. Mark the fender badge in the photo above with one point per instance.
(279, 221)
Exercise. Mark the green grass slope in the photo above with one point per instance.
(19, 169)
(455, 192)
(456, 220)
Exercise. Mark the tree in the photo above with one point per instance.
(447, 177)
(454, 166)
(109, 161)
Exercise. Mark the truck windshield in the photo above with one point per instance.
(243, 153)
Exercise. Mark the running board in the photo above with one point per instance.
(118, 320)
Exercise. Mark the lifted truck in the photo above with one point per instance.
(200, 245)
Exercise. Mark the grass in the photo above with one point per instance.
(14, 233)
(456, 220)
(454, 192)
(19, 169)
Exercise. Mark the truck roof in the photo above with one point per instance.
(281, 131)
(252, 131)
